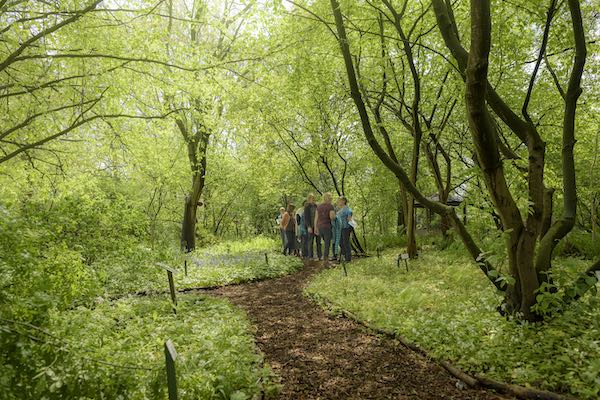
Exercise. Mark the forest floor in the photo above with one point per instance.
(321, 356)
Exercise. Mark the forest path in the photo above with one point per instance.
(319, 356)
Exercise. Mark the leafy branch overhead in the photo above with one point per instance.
(153, 149)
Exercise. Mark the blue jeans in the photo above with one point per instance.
(304, 244)
(283, 239)
(325, 234)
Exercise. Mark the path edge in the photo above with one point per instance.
(520, 392)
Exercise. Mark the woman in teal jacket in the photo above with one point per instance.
(345, 216)
(336, 237)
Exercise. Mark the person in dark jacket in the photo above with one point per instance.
(302, 232)
(310, 211)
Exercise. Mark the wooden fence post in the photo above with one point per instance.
(404, 257)
(170, 272)
(170, 357)
(172, 290)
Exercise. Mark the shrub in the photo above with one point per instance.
(115, 350)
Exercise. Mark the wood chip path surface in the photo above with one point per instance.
(320, 356)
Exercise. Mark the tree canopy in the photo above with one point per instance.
(146, 129)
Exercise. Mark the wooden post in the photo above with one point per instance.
(170, 357)
(172, 290)
(405, 257)
(267, 259)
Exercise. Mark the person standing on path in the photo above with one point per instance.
(288, 224)
(325, 214)
(281, 231)
(302, 232)
(310, 211)
(345, 215)
(336, 234)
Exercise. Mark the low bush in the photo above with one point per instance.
(115, 351)
(384, 241)
(580, 244)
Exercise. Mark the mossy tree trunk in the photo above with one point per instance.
(529, 240)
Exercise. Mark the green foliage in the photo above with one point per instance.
(385, 241)
(430, 306)
(86, 214)
(58, 266)
(580, 244)
(252, 244)
(115, 350)
(222, 264)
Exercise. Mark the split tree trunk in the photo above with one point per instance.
(197, 143)
(188, 227)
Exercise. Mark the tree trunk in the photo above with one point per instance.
(197, 144)
(567, 221)
(520, 241)
(402, 208)
(411, 227)
(188, 227)
(411, 220)
(391, 163)
(594, 217)
(445, 226)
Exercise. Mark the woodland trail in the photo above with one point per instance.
(319, 356)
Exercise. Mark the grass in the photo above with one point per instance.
(115, 351)
(222, 264)
(446, 305)
(92, 348)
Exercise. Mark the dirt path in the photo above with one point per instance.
(323, 357)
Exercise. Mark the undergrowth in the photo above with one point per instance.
(226, 263)
(115, 351)
(446, 305)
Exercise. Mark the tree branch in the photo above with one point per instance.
(549, 16)
(15, 54)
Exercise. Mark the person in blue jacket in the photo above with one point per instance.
(345, 216)
(302, 231)
(336, 238)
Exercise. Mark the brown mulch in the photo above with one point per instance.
(319, 356)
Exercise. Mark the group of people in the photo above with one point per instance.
(325, 227)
